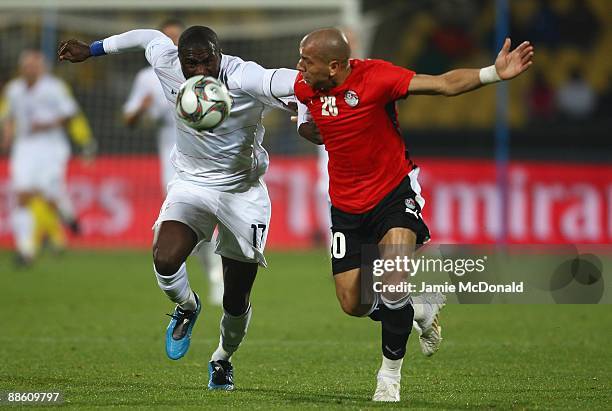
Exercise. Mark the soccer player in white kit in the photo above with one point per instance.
(39, 106)
(147, 98)
(218, 184)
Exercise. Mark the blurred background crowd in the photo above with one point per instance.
(568, 92)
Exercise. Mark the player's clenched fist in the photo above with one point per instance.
(74, 51)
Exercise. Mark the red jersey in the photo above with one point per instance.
(358, 123)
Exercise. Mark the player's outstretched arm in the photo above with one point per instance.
(508, 65)
(77, 51)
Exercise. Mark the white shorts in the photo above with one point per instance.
(242, 218)
(39, 166)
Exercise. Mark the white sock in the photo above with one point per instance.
(392, 368)
(397, 304)
(233, 330)
(177, 288)
(220, 354)
(23, 231)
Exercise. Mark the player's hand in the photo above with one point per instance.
(510, 64)
(292, 106)
(310, 132)
(74, 51)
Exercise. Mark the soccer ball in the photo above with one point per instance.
(203, 103)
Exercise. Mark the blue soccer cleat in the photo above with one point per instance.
(178, 333)
(221, 375)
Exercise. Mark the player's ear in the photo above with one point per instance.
(334, 67)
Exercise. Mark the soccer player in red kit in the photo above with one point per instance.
(349, 105)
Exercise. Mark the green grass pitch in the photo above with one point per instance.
(91, 325)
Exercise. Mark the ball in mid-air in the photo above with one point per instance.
(203, 103)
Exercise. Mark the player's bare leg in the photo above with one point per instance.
(238, 278)
(23, 226)
(173, 243)
(348, 292)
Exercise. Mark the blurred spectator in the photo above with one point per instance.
(541, 98)
(576, 98)
(578, 25)
(451, 39)
(446, 45)
(544, 27)
(453, 42)
(456, 12)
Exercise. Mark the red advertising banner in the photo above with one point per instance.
(118, 198)
(548, 203)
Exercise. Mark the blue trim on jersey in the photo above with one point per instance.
(97, 48)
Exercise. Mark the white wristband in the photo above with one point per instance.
(489, 75)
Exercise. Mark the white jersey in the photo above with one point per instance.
(48, 100)
(230, 157)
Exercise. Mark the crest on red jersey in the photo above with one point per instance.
(351, 98)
